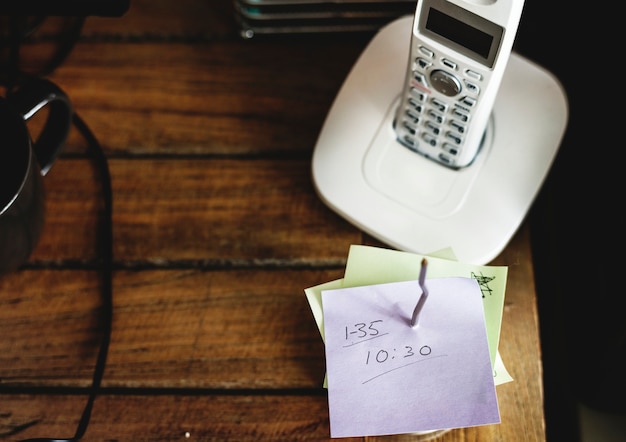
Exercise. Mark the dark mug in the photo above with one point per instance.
(24, 162)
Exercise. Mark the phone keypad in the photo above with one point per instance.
(428, 121)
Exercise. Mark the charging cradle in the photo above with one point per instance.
(413, 203)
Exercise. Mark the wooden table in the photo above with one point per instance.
(217, 231)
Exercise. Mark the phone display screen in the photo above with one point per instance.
(468, 33)
(459, 32)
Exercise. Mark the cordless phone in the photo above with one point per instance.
(458, 53)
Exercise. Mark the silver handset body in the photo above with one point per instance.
(458, 53)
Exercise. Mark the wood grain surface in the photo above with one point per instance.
(217, 232)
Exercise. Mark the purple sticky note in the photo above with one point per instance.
(386, 377)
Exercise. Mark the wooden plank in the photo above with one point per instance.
(228, 98)
(206, 417)
(173, 96)
(144, 20)
(224, 329)
(211, 417)
(50, 327)
(153, 19)
(247, 329)
(193, 210)
(177, 86)
(237, 328)
(200, 325)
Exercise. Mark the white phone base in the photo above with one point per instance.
(412, 203)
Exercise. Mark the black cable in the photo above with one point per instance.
(21, 28)
(106, 234)
(66, 45)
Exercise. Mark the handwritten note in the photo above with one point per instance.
(385, 377)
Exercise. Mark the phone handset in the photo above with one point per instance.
(458, 53)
